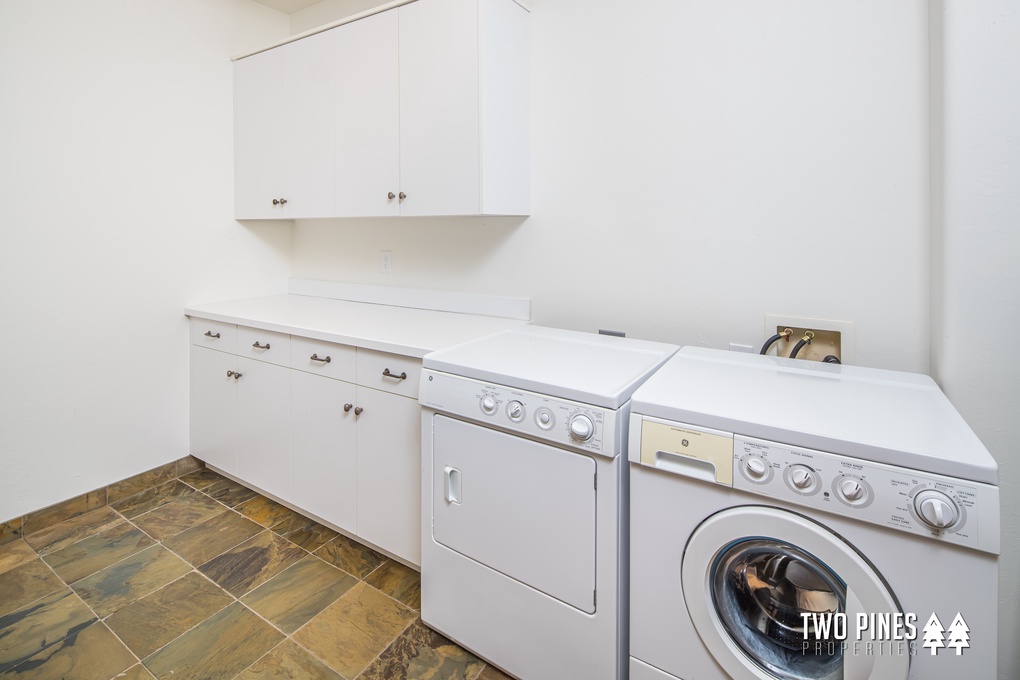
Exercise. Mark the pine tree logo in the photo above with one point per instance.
(933, 634)
(959, 634)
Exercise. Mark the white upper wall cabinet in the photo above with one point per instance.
(283, 131)
(422, 110)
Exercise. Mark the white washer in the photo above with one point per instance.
(765, 489)
(523, 467)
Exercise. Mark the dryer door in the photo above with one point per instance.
(762, 585)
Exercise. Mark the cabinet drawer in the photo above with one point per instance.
(214, 334)
(383, 371)
(263, 345)
(323, 358)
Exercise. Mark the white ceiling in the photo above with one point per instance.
(288, 6)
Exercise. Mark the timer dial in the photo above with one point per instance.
(581, 427)
(936, 509)
(488, 404)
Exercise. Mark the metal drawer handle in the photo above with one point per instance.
(209, 334)
(386, 374)
(348, 407)
(315, 357)
(358, 411)
(256, 345)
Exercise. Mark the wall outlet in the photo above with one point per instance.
(831, 337)
(387, 262)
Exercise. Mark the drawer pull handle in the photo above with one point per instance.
(386, 374)
(210, 334)
(348, 407)
(315, 357)
(230, 374)
(256, 345)
(358, 411)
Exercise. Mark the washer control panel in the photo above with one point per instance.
(560, 421)
(949, 509)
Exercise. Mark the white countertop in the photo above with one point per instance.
(400, 330)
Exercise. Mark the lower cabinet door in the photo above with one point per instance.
(263, 426)
(389, 472)
(214, 408)
(323, 457)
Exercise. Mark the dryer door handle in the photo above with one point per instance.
(451, 485)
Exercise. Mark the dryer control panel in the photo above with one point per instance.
(952, 510)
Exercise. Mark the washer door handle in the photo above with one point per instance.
(451, 485)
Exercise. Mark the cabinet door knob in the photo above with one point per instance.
(358, 411)
(256, 345)
(210, 334)
(348, 407)
(236, 375)
(276, 201)
(283, 201)
(279, 201)
(315, 357)
(386, 374)
(230, 374)
(402, 195)
(391, 195)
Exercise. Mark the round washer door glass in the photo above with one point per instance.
(749, 573)
(760, 589)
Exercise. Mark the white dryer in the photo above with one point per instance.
(523, 477)
(795, 521)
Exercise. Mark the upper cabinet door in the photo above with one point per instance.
(367, 117)
(258, 136)
(308, 127)
(439, 108)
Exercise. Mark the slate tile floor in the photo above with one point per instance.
(200, 577)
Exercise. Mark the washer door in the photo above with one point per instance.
(748, 575)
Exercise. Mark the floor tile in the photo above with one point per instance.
(97, 552)
(351, 556)
(63, 534)
(212, 537)
(352, 632)
(79, 505)
(421, 653)
(15, 554)
(188, 464)
(298, 593)
(10, 531)
(91, 654)
(125, 488)
(493, 673)
(136, 672)
(26, 584)
(150, 499)
(151, 622)
(221, 647)
(29, 630)
(202, 479)
(264, 511)
(108, 590)
(288, 661)
(252, 563)
(230, 493)
(304, 532)
(399, 582)
(178, 515)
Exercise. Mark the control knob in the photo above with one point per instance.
(851, 489)
(801, 477)
(515, 410)
(488, 404)
(756, 468)
(936, 509)
(581, 428)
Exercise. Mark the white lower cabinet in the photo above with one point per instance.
(214, 408)
(347, 453)
(263, 426)
(324, 457)
(389, 472)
